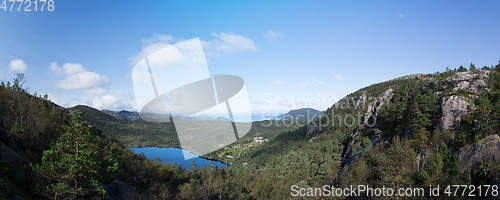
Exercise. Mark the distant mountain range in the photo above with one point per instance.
(132, 131)
(303, 113)
(132, 116)
(126, 115)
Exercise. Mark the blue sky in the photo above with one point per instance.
(290, 53)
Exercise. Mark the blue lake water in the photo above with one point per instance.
(173, 155)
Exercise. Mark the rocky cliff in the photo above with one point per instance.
(455, 93)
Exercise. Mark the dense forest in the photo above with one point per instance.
(400, 139)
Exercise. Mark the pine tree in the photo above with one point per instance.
(472, 67)
(462, 69)
(70, 165)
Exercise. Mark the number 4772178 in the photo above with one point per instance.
(27, 5)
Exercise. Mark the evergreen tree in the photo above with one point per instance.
(462, 69)
(472, 67)
(70, 165)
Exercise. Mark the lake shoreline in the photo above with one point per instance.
(177, 147)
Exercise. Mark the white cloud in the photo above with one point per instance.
(18, 65)
(277, 82)
(65, 100)
(273, 35)
(95, 91)
(151, 45)
(401, 15)
(77, 77)
(105, 102)
(117, 100)
(337, 76)
(228, 43)
(318, 81)
(82, 80)
(66, 69)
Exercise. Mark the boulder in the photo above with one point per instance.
(487, 149)
(453, 109)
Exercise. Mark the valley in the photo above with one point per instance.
(415, 131)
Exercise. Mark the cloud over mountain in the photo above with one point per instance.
(76, 77)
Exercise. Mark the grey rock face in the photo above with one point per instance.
(487, 149)
(460, 76)
(462, 85)
(408, 76)
(453, 109)
(373, 110)
(476, 86)
(311, 127)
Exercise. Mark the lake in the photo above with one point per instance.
(173, 155)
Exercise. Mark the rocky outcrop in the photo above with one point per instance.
(373, 109)
(487, 149)
(411, 76)
(476, 86)
(460, 76)
(470, 82)
(311, 127)
(453, 109)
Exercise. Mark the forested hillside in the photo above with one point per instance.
(137, 133)
(416, 131)
(140, 133)
(303, 113)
